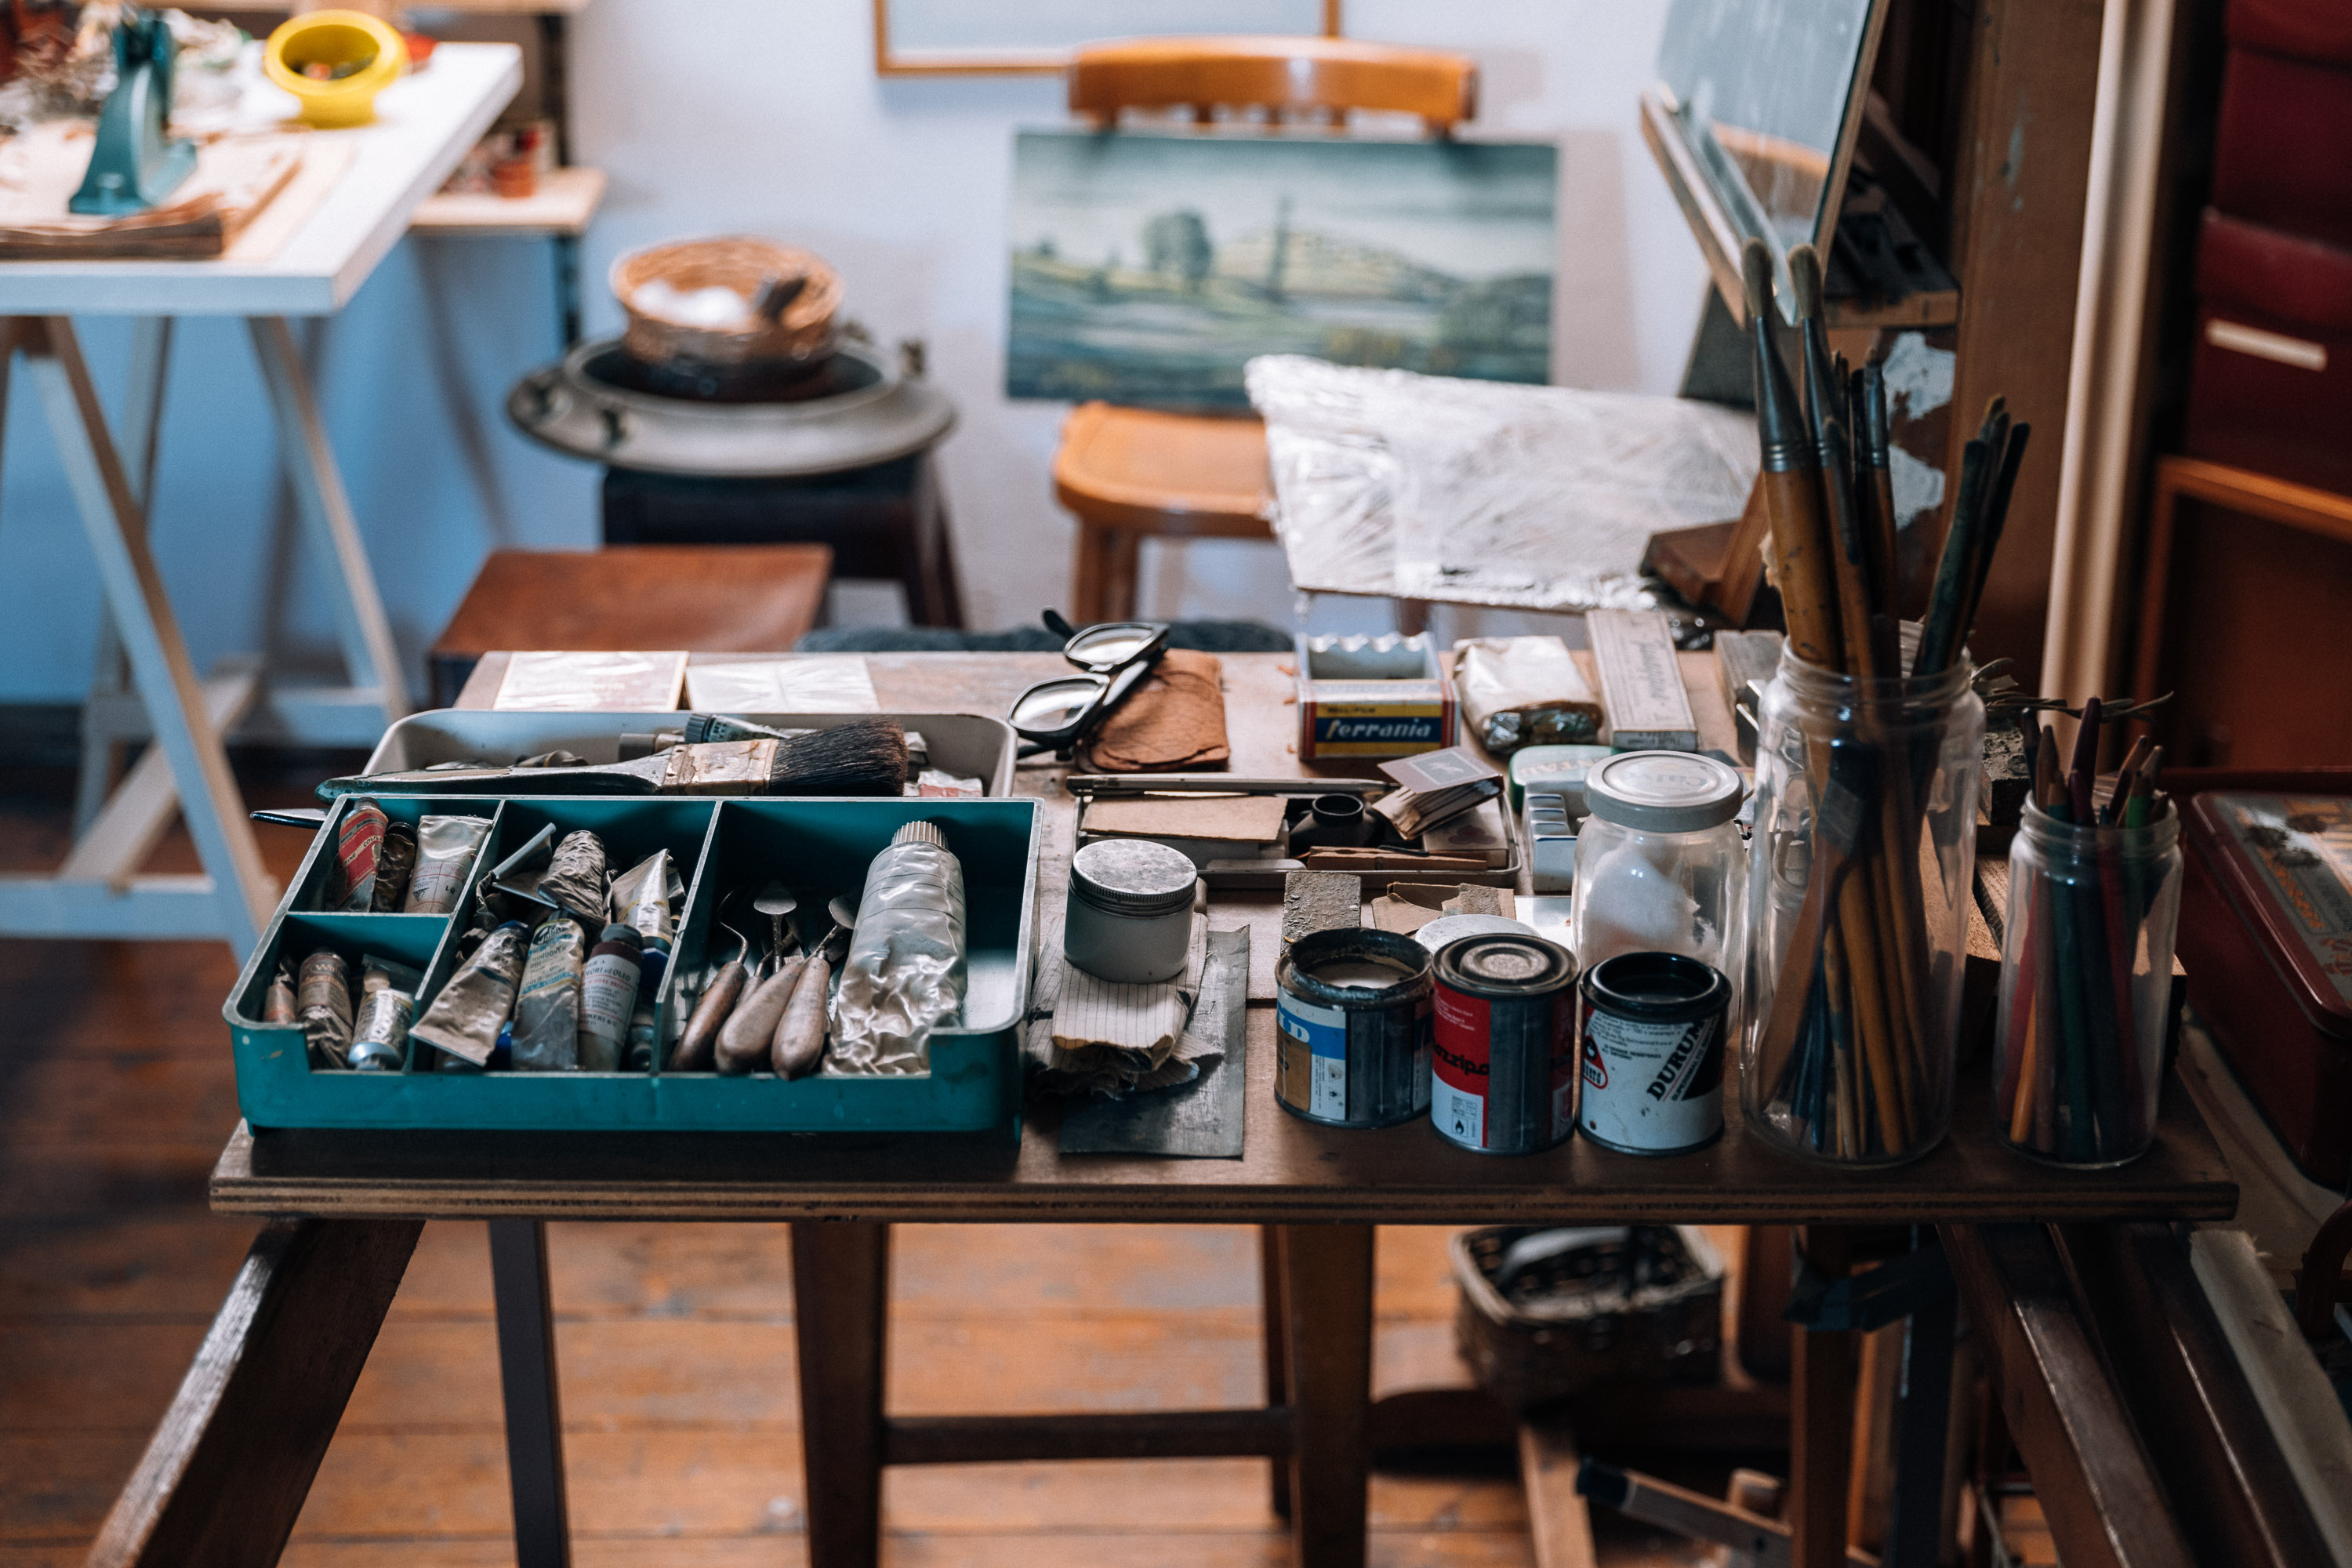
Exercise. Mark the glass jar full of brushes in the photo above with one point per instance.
(1860, 875)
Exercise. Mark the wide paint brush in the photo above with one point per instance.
(1790, 480)
(865, 756)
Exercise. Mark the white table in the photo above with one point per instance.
(423, 125)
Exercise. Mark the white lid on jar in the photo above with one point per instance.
(1133, 876)
(1663, 792)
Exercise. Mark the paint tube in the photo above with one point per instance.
(396, 864)
(642, 898)
(278, 1005)
(322, 1001)
(905, 974)
(357, 841)
(547, 1008)
(380, 1039)
(574, 879)
(645, 1037)
(466, 1018)
(608, 998)
(445, 847)
(378, 972)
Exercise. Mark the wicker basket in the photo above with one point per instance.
(802, 333)
(1617, 1304)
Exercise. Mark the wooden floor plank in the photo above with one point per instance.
(175, 1265)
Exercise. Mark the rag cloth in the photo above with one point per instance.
(1092, 1035)
(1174, 722)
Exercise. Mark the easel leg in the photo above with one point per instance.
(1914, 1525)
(526, 1318)
(841, 1305)
(115, 522)
(369, 651)
(1821, 1418)
(1328, 1288)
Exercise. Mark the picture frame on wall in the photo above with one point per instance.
(1036, 37)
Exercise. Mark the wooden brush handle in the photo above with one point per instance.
(1801, 565)
(701, 1036)
(800, 1036)
(747, 1041)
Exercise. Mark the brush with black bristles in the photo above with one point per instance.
(865, 756)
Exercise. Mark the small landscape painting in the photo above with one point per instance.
(1148, 268)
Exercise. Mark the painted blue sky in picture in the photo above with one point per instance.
(1148, 268)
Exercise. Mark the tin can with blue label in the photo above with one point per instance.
(1352, 1008)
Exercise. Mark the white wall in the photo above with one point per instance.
(765, 116)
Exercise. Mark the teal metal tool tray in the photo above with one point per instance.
(820, 847)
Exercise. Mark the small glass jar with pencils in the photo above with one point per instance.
(1861, 877)
(2086, 964)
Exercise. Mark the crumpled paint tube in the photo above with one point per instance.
(445, 853)
(466, 1017)
(574, 879)
(396, 864)
(905, 972)
(357, 841)
(643, 897)
(278, 1006)
(323, 1000)
(380, 1039)
(547, 1008)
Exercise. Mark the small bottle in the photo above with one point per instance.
(608, 998)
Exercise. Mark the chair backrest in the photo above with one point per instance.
(1286, 77)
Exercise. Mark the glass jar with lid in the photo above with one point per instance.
(1660, 865)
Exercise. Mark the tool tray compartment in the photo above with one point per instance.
(821, 846)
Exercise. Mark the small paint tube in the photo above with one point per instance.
(380, 1039)
(645, 1037)
(608, 998)
(322, 1001)
(278, 1006)
(466, 1017)
(643, 895)
(547, 1008)
(396, 864)
(445, 847)
(357, 841)
(574, 878)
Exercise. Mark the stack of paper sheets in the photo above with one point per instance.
(1481, 493)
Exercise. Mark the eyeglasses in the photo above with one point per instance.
(1058, 715)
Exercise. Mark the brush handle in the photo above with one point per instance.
(489, 780)
(695, 1046)
(748, 1038)
(799, 1045)
(1801, 565)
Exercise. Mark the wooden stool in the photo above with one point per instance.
(703, 598)
(1129, 472)
(1315, 1425)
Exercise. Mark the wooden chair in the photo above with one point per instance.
(1129, 473)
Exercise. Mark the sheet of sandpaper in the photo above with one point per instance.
(1201, 1120)
(1250, 818)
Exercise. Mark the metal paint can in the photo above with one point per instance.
(1352, 1011)
(1505, 1065)
(1653, 1062)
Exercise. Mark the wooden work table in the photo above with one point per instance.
(352, 1202)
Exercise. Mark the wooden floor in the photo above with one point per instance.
(675, 1341)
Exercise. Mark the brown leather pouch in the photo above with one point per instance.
(1174, 722)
